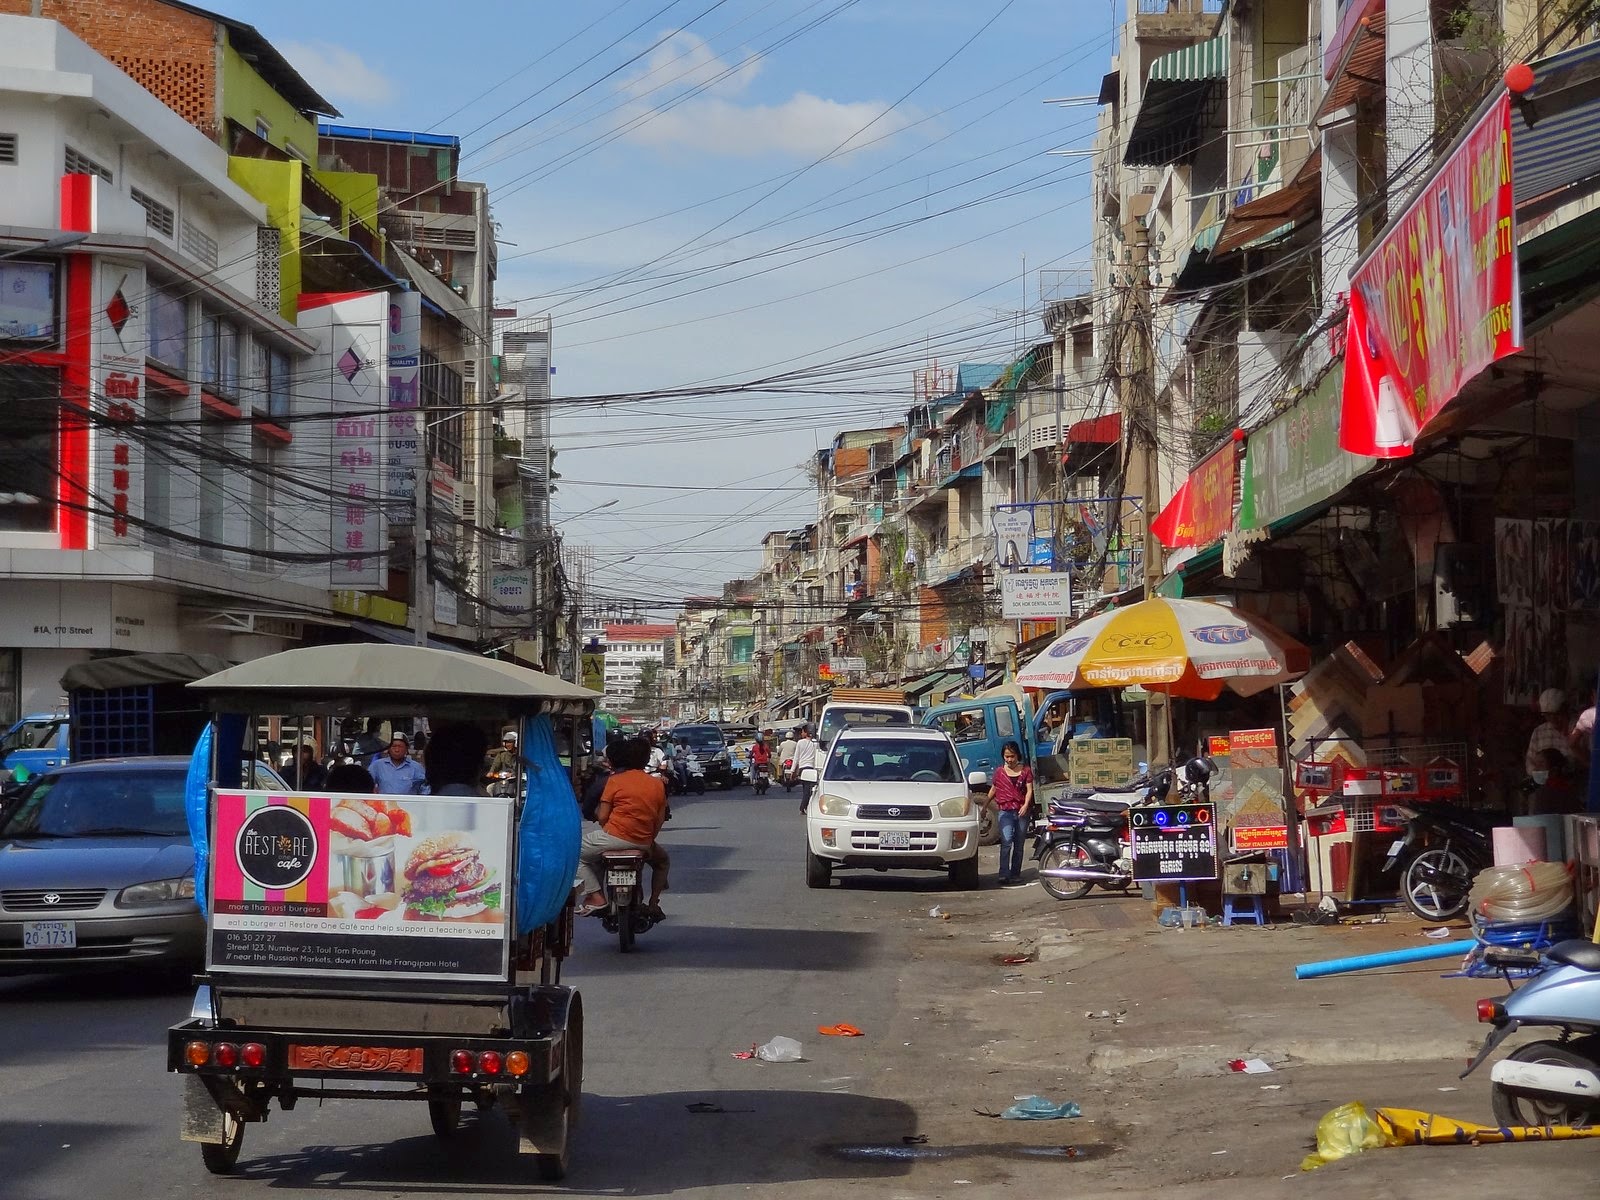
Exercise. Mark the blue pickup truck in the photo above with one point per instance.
(36, 743)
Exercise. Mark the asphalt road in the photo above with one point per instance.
(86, 1107)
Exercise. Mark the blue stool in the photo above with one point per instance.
(1242, 908)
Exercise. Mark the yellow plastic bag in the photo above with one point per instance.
(1348, 1129)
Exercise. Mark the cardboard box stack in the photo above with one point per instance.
(1101, 762)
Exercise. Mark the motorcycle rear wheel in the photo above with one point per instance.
(1433, 899)
(1066, 854)
(1513, 1107)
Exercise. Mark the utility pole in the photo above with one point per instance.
(421, 589)
(1138, 400)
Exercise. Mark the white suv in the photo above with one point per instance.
(892, 797)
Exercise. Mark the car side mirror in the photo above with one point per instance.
(977, 780)
(808, 774)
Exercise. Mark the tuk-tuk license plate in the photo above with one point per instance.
(622, 878)
(392, 1060)
(894, 839)
(49, 935)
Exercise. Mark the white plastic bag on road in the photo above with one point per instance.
(779, 1050)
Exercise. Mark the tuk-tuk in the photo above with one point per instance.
(386, 947)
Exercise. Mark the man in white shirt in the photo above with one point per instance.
(805, 756)
(786, 762)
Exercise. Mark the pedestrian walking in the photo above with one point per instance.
(805, 756)
(1011, 790)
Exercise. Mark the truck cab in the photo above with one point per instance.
(34, 744)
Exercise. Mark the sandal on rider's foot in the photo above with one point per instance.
(655, 914)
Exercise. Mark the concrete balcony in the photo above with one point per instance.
(1177, 20)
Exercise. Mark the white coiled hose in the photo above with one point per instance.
(1534, 891)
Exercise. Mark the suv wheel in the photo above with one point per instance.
(964, 874)
(819, 870)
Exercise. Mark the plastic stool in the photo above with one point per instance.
(1242, 908)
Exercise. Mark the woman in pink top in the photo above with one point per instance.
(1011, 789)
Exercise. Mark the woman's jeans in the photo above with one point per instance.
(1011, 836)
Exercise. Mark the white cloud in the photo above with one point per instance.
(714, 121)
(338, 73)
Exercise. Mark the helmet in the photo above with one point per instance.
(1552, 700)
(509, 735)
(1198, 770)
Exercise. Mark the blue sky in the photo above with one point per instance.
(702, 191)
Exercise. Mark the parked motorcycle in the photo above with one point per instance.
(763, 778)
(1084, 839)
(1443, 849)
(625, 913)
(1554, 1081)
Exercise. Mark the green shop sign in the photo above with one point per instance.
(1294, 461)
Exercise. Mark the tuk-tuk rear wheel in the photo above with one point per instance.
(445, 1117)
(568, 1092)
(221, 1157)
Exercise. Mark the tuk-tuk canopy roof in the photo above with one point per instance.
(383, 680)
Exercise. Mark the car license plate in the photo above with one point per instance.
(622, 878)
(894, 839)
(49, 935)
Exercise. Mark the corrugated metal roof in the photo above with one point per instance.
(1563, 148)
(1203, 60)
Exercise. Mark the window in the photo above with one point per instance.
(29, 451)
(212, 495)
(169, 329)
(8, 149)
(261, 499)
(219, 355)
(441, 393)
(264, 129)
(159, 468)
(77, 163)
(27, 301)
(279, 384)
(157, 215)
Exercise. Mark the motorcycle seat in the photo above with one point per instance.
(1093, 805)
(622, 857)
(1575, 953)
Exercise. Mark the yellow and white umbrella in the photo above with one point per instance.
(1189, 648)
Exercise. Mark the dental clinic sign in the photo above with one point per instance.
(1438, 300)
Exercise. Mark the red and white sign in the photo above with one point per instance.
(1438, 300)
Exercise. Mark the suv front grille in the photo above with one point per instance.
(38, 899)
(894, 812)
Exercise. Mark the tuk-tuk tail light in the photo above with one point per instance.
(517, 1063)
(197, 1054)
(462, 1062)
(226, 1054)
(253, 1054)
(490, 1062)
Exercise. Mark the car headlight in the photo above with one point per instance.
(157, 891)
(833, 806)
(956, 806)
(720, 758)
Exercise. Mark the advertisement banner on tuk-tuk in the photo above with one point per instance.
(370, 886)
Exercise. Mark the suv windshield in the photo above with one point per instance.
(700, 737)
(835, 719)
(893, 760)
(101, 803)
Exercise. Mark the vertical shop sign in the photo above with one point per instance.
(355, 345)
(1294, 461)
(404, 396)
(120, 352)
(1256, 815)
(1013, 536)
(1438, 300)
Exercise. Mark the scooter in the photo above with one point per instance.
(763, 778)
(625, 914)
(1556, 1081)
(1443, 848)
(1084, 840)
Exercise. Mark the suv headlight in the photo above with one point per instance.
(833, 806)
(956, 806)
(157, 891)
(720, 757)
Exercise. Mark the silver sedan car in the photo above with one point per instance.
(97, 871)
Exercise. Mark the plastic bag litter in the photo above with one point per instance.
(779, 1050)
(1348, 1129)
(1527, 892)
(1038, 1108)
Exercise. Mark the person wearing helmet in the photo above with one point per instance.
(1552, 733)
(503, 764)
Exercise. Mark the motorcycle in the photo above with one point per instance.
(763, 778)
(1443, 849)
(624, 914)
(1555, 1081)
(1084, 840)
(788, 777)
(502, 783)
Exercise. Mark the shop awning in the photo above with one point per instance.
(1361, 66)
(1180, 95)
(1100, 431)
(970, 471)
(1279, 211)
(1110, 85)
(1555, 128)
(1201, 267)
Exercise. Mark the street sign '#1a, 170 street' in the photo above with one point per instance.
(1173, 843)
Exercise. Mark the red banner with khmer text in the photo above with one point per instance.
(1438, 300)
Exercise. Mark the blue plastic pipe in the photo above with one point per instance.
(1389, 958)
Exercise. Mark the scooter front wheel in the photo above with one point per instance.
(1067, 854)
(1514, 1107)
